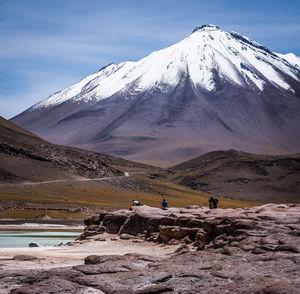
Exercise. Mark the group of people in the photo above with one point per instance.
(213, 203)
(164, 203)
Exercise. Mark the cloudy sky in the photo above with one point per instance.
(46, 45)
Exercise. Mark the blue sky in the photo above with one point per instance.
(46, 45)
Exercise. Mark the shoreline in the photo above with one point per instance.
(51, 257)
(42, 225)
(58, 256)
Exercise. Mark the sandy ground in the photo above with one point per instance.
(50, 257)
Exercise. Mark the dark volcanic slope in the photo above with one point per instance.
(243, 176)
(24, 156)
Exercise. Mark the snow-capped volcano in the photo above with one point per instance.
(236, 58)
(212, 90)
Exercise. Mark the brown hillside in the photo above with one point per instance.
(243, 176)
(26, 157)
(38, 177)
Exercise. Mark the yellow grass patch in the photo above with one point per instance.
(80, 194)
(180, 196)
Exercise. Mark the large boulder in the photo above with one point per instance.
(140, 223)
(113, 222)
(92, 220)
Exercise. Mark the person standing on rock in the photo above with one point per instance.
(213, 202)
(164, 204)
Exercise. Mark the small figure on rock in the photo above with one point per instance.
(164, 204)
(136, 203)
(213, 202)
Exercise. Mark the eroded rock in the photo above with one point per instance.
(234, 251)
(269, 227)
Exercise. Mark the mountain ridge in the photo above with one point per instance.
(213, 90)
(205, 29)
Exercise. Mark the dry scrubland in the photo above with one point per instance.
(75, 189)
(50, 198)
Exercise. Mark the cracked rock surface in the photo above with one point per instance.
(253, 250)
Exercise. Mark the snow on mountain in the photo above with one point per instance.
(291, 58)
(213, 90)
(236, 58)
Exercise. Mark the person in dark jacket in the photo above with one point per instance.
(213, 202)
(164, 204)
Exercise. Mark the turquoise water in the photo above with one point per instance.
(9, 239)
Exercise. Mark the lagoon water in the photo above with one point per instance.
(17, 239)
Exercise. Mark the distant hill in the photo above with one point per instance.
(243, 176)
(26, 157)
(26, 160)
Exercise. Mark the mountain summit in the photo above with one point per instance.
(212, 90)
(207, 27)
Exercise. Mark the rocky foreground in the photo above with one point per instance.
(250, 250)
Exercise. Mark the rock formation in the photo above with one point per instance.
(267, 227)
(246, 250)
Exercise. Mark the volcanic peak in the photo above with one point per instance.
(212, 90)
(206, 27)
(208, 52)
